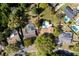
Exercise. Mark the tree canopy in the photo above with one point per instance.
(43, 5)
(45, 44)
(1, 37)
(11, 48)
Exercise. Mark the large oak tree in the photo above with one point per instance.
(45, 44)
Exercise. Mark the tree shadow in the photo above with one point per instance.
(39, 10)
(41, 21)
(33, 39)
(49, 35)
(64, 53)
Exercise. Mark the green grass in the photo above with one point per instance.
(56, 32)
(47, 14)
(27, 42)
(75, 49)
(62, 8)
(55, 20)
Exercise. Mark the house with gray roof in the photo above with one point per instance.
(65, 37)
(29, 30)
(71, 13)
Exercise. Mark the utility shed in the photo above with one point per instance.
(65, 37)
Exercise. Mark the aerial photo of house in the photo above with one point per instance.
(39, 29)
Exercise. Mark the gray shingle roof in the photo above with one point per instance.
(69, 12)
(30, 28)
(29, 31)
(65, 37)
(75, 11)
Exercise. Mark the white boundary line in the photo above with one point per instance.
(39, 1)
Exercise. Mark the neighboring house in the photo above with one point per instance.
(71, 13)
(29, 30)
(65, 37)
(46, 24)
(13, 38)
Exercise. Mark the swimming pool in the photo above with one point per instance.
(75, 28)
(66, 19)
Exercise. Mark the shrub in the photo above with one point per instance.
(34, 11)
(56, 32)
(27, 42)
(43, 5)
(11, 48)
